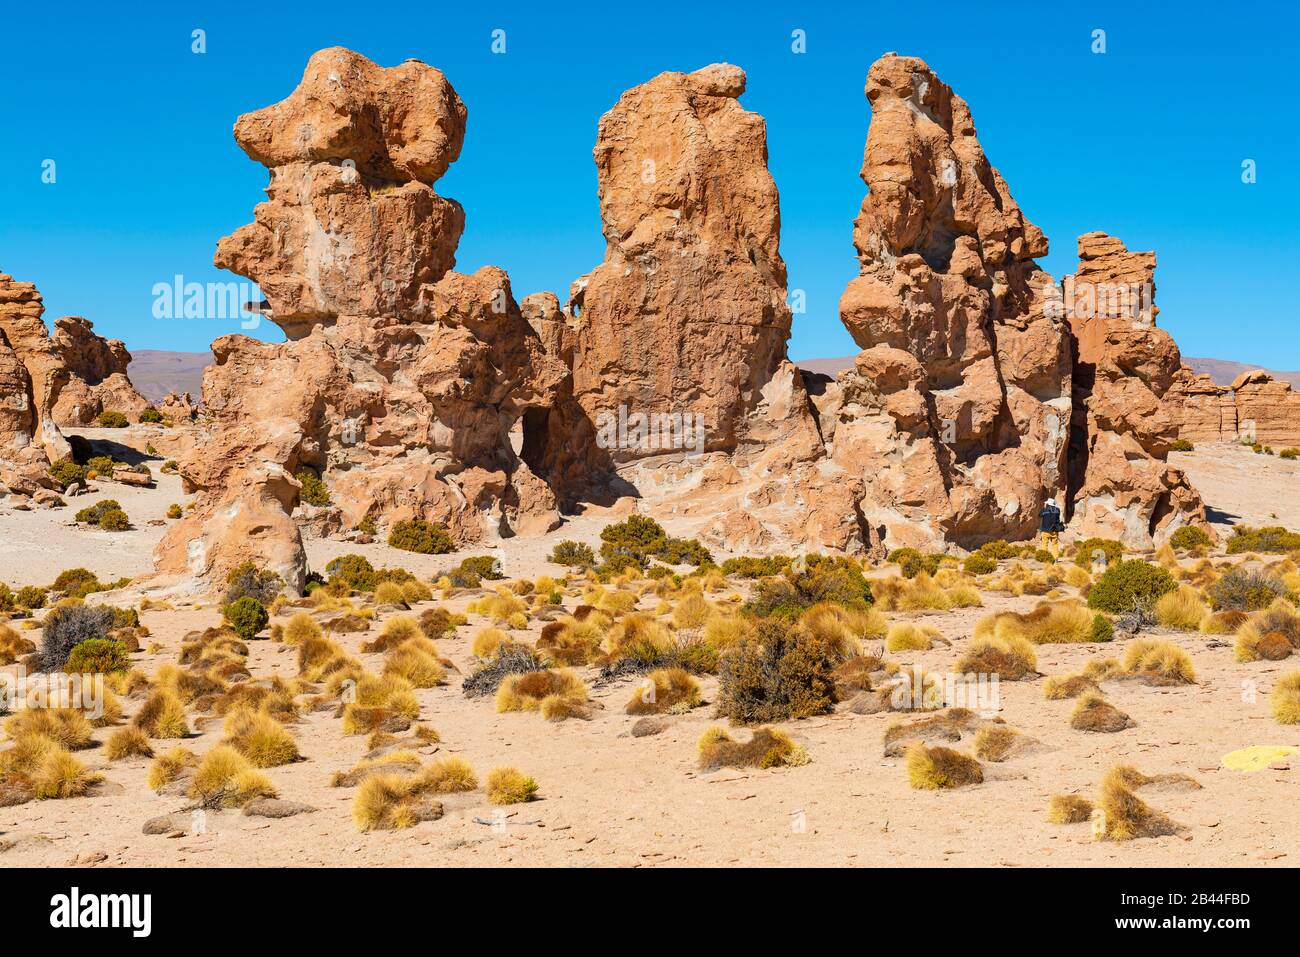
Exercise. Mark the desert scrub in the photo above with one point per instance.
(386, 802)
(1094, 713)
(1181, 609)
(31, 597)
(912, 562)
(260, 738)
(314, 490)
(1244, 589)
(106, 514)
(940, 768)
(246, 616)
(556, 693)
(128, 742)
(418, 535)
(67, 626)
(766, 748)
(225, 778)
(162, 716)
(1190, 538)
(842, 627)
(906, 636)
(66, 727)
(573, 554)
(1068, 809)
(1010, 658)
(1120, 815)
(1093, 550)
(671, 690)
(749, 566)
(509, 786)
(568, 641)
(1272, 539)
(169, 766)
(150, 415)
(979, 564)
(77, 583)
(417, 661)
(13, 645)
(1126, 584)
(819, 579)
(67, 473)
(246, 580)
(776, 675)
(173, 511)
(1160, 663)
(637, 536)
(112, 419)
(1284, 699)
(97, 656)
(509, 660)
(1269, 635)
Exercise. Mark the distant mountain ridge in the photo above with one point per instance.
(1222, 371)
(155, 372)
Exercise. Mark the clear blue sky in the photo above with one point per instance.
(1144, 141)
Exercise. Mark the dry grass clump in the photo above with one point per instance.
(1095, 713)
(1068, 809)
(487, 641)
(1130, 777)
(906, 636)
(169, 766)
(1060, 687)
(316, 655)
(414, 590)
(671, 690)
(924, 593)
(389, 593)
(637, 631)
(1223, 622)
(940, 768)
(569, 641)
(503, 608)
(1181, 609)
(65, 727)
(692, 611)
(380, 703)
(1077, 577)
(417, 661)
(448, 776)
(13, 645)
(37, 767)
(1066, 622)
(997, 742)
(1009, 657)
(725, 630)
(260, 738)
(128, 742)
(394, 762)
(510, 786)
(300, 628)
(556, 693)
(1121, 815)
(766, 748)
(395, 631)
(1284, 699)
(162, 716)
(225, 778)
(1269, 635)
(1160, 663)
(386, 802)
(843, 628)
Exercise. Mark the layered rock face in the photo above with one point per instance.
(401, 380)
(1255, 407)
(97, 378)
(956, 414)
(1124, 366)
(46, 372)
(686, 319)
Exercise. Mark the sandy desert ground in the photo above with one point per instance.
(610, 798)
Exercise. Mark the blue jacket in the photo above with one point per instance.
(1050, 519)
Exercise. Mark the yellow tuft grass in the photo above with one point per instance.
(162, 716)
(225, 778)
(65, 727)
(510, 786)
(665, 690)
(766, 748)
(939, 768)
(260, 738)
(1068, 809)
(1010, 657)
(128, 742)
(1066, 622)
(1284, 699)
(1181, 609)
(906, 636)
(1159, 663)
(169, 766)
(487, 641)
(300, 628)
(416, 660)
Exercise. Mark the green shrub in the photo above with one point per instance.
(31, 597)
(998, 550)
(247, 616)
(114, 520)
(112, 419)
(314, 490)
(1085, 551)
(1190, 538)
(685, 551)
(352, 571)
(247, 580)
(151, 414)
(174, 510)
(77, 583)
(639, 533)
(778, 675)
(1273, 539)
(979, 564)
(97, 656)
(91, 514)
(1181, 445)
(67, 472)
(1103, 629)
(170, 466)
(1242, 589)
(417, 535)
(484, 566)
(617, 560)
(1289, 453)
(749, 566)
(573, 554)
(103, 465)
(7, 598)
(367, 526)
(67, 626)
(1129, 584)
(911, 562)
(816, 578)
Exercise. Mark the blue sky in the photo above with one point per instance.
(1145, 141)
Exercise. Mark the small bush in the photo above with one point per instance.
(748, 566)
(685, 551)
(173, 511)
(777, 675)
(352, 572)
(247, 616)
(1181, 609)
(417, 535)
(766, 748)
(1189, 538)
(92, 514)
(31, 597)
(112, 419)
(314, 490)
(1273, 539)
(573, 554)
(1243, 589)
(114, 520)
(1284, 699)
(941, 768)
(1129, 583)
(151, 414)
(509, 660)
(637, 536)
(67, 626)
(979, 564)
(1181, 445)
(509, 786)
(225, 778)
(484, 566)
(128, 742)
(1289, 453)
(97, 656)
(67, 472)
(1085, 552)
(248, 581)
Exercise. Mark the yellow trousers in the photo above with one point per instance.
(1050, 541)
